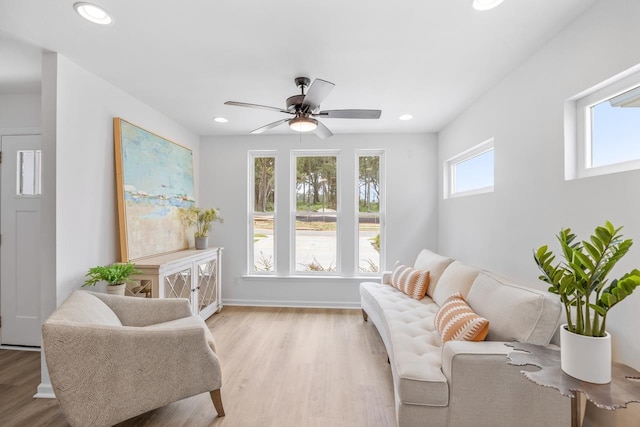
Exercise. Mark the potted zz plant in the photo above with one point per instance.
(587, 295)
(116, 275)
(202, 218)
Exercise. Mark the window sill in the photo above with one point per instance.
(308, 277)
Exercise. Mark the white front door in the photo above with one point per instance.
(20, 240)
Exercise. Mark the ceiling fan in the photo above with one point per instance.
(306, 107)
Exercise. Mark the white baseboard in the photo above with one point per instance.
(292, 304)
(45, 391)
(19, 348)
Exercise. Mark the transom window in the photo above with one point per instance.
(606, 137)
(470, 172)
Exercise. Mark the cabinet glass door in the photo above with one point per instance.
(178, 285)
(207, 283)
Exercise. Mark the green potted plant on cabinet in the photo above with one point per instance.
(116, 275)
(587, 295)
(202, 218)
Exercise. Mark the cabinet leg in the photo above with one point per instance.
(365, 316)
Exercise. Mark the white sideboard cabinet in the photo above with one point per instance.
(192, 274)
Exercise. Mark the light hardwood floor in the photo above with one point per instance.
(281, 367)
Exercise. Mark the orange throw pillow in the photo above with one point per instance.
(412, 282)
(457, 321)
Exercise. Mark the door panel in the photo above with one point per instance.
(20, 241)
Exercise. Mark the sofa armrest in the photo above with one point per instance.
(105, 366)
(146, 311)
(477, 371)
(386, 278)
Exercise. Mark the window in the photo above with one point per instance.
(331, 223)
(470, 172)
(262, 213)
(29, 179)
(607, 128)
(316, 213)
(369, 189)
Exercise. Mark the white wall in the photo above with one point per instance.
(532, 201)
(411, 210)
(79, 207)
(19, 111)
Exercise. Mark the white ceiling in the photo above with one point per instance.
(429, 58)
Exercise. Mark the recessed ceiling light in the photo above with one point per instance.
(93, 13)
(406, 117)
(220, 120)
(485, 4)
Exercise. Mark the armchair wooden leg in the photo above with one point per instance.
(217, 402)
(365, 316)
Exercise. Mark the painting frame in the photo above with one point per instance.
(154, 185)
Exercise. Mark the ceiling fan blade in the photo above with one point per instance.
(317, 93)
(262, 107)
(350, 114)
(269, 126)
(322, 131)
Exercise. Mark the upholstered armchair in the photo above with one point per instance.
(111, 357)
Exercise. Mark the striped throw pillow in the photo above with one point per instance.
(457, 321)
(412, 282)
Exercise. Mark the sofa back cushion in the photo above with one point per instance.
(433, 263)
(82, 307)
(457, 277)
(515, 313)
(412, 282)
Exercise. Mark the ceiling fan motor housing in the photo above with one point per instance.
(294, 103)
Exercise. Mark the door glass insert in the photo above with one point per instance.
(29, 181)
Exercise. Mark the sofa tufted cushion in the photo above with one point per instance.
(412, 282)
(413, 344)
(434, 264)
(516, 313)
(457, 277)
(457, 321)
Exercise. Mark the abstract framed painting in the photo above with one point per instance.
(154, 184)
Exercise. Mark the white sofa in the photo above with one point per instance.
(464, 383)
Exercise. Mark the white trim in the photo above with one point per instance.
(311, 278)
(449, 179)
(19, 348)
(45, 391)
(577, 122)
(292, 304)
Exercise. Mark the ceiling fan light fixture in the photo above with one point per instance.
(486, 4)
(303, 124)
(93, 13)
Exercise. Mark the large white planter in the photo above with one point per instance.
(586, 358)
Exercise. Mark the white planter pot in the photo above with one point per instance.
(116, 289)
(586, 358)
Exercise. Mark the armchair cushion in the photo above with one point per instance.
(85, 308)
